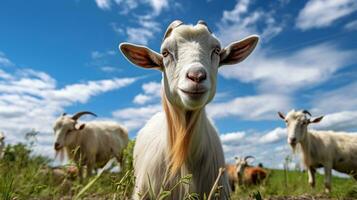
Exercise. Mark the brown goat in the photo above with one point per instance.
(249, 175)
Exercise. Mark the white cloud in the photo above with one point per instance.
(273, 136)
(339, 107)
(158, 5)
(135, 117)
(103, 4)
(31, 100)
(98, 54)
(110, 69)
(240, 22)
(268, 148)
(289, 72)
(232, 138)
(145, 31)
(342, 99)
(250, 107)
(139, 35)
(4, 61)
(351, 26)
(340, 121)
(322, 13)
(125, 6)
(152, 91)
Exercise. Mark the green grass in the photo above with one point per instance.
(21, 178)
(297, 185)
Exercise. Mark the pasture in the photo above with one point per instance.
(21, 178)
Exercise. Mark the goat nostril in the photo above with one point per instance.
(57, 145)
(197, 76)
(293, 140)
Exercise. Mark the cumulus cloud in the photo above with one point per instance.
(268, 147)
(273, 136)
(257, 107)
(241, 22)
(339, 106)
(232, 138)
(145, 30)
(136, 117)
(289, 72)
(30, 100)
(103, 4)
(339, 121)
(343, 98)
(125, 6)
(152, 91)
(322, 13)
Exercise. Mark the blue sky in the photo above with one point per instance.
(62, 56)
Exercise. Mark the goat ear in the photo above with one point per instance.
(81, 126)
(317, 119)
(237, 51)
(141, 56)
(281, 115)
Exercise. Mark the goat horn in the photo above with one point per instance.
(247, 157)
(306, 112)
(204, 24)
(79, 114)
(171, 27)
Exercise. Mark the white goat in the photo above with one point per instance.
(182, 140)
(2, 144)
(92, 144)
(328, 149)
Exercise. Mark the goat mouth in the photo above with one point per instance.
(58, 148)
(293, 144)
(194, 93)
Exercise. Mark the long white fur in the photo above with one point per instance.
(98, 142)
(327, 149)
(151, 152)
(151, 159)
(190, 47)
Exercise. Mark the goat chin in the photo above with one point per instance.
(60, 153)
(295, 148)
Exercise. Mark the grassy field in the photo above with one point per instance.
(22, 176)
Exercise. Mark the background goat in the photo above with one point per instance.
(247, 174)
(182, 140)
(91, 144)
(328, 149)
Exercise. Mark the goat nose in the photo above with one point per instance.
(197, 75)
(293, 140)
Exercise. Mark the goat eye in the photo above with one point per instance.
(165, 53)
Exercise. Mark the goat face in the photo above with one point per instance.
(241, 164)
(64, 129)
(296, 125)
(64, 132)
(190, 58)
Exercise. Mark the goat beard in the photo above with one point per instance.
(181, 128)
(61, 154)
(295, 148)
